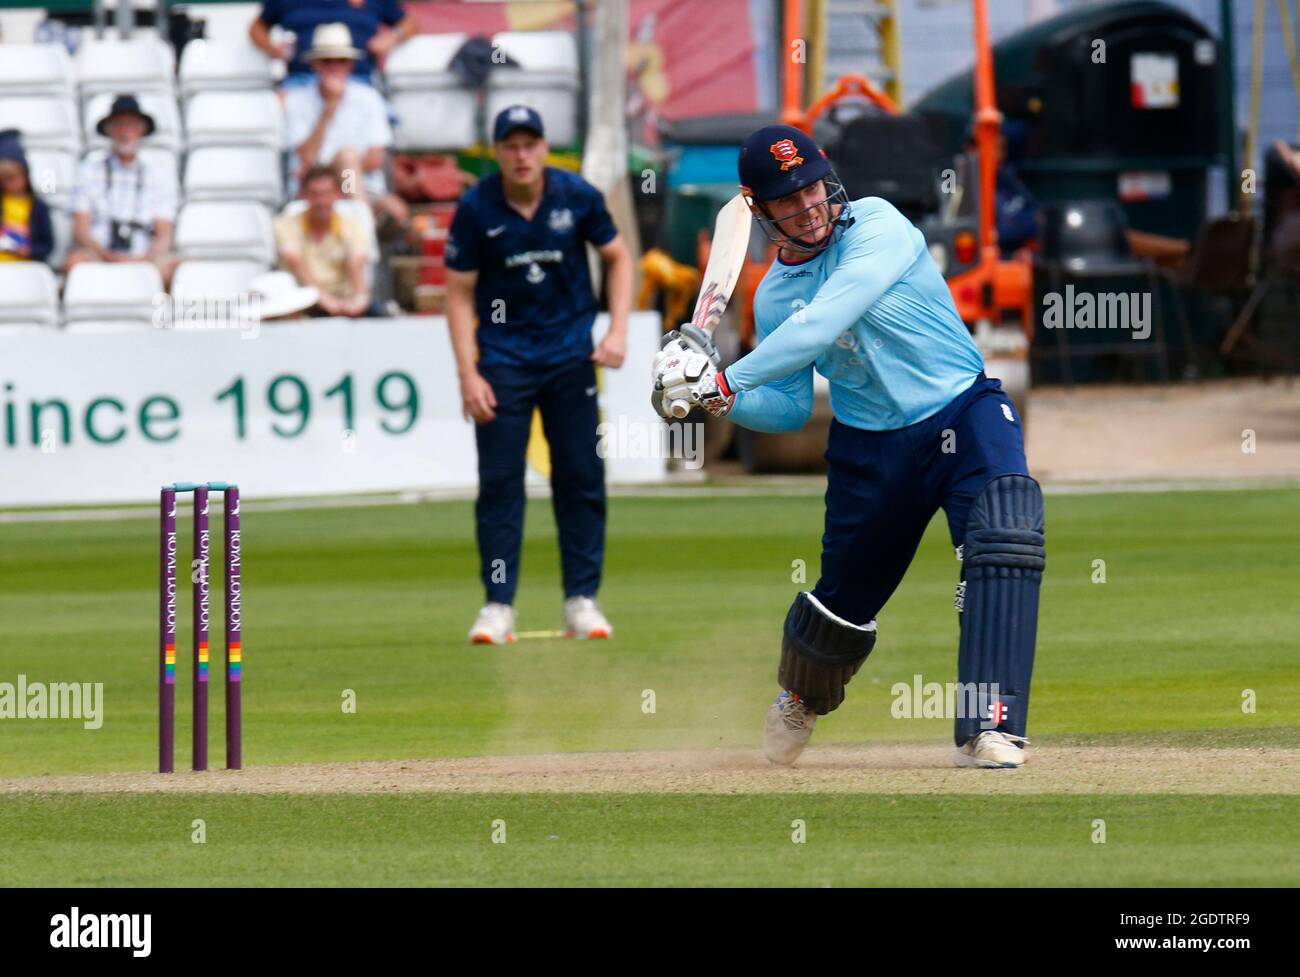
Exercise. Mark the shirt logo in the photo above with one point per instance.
(1006, 412)
(561, 220)
(786, 154)
(494, 231)
(535, 273)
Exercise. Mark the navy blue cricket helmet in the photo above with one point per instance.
(779, 160)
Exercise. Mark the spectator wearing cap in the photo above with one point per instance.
(341, 123)
(324, 249)
(123, 209)
(517, 259)
(375, 26)
(26, 233)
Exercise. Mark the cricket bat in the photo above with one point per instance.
(726, 258)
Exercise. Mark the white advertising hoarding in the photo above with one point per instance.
(302, 408)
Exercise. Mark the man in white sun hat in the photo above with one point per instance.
(341, 123)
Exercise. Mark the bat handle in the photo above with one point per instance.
(679, 408)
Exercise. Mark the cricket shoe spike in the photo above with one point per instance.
(583, 619)
(788, 728)
(992, 748)
(495, 625)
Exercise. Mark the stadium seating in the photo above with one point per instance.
(45, 122)
(200, 278)
(36, 69)
(546, 78)
(434, 112)
(52, 172)
(29, 294)
(234, 119)
(143, 64)
(210, 66)
(62, 222)
(235, 173)
(160, 105)
(103, 291)
(226, 232)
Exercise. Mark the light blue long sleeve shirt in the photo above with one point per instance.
(873, 315)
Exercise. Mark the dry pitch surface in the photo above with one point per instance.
(884, 769)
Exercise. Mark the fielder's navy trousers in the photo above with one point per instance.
(883, 487)
(566, 396)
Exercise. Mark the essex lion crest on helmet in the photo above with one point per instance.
(786, 153)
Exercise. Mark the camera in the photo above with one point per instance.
(119, 235)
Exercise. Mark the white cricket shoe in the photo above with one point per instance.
(495, 625)
(582, 619)
(992, 748)
(787, 730)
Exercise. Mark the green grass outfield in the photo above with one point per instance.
(1199, 604)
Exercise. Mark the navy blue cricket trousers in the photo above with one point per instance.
(883, 487)
(566, 395)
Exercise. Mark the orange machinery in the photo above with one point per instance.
(996, 288)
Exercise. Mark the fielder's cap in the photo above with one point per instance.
(125, 105)
(777, 160)
(517, 117)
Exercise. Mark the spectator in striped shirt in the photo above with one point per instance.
(124, 209)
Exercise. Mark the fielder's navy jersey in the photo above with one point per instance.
(534, 297)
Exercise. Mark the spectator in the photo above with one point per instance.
(324, 249)
(123, 210)
(377, 26)
(26, 233)
(343, 124)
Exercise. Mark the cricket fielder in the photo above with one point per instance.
(517, 260)
(855, 295)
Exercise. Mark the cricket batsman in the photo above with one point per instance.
(854, 294)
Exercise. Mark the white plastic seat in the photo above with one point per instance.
(160, 105)
(201, 278)
(210, 66)
(61, 221)
(234, 119)
(546, 78)
(29, 294)
(423, 62)
(144, 63)
(45, 123)
(238, 173)
(110, 291)
(433, 111)
(53, 172)
(36, 69)
(226, 232)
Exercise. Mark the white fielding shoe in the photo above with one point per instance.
(582, 619)
(788, 728)
(495, 625)
(992, 748)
